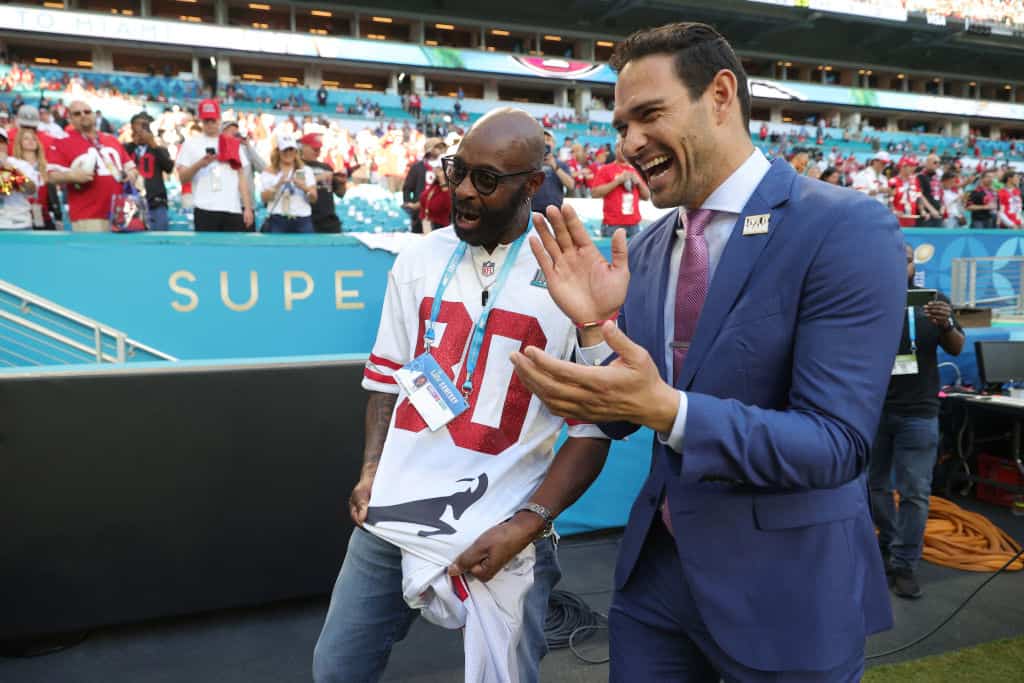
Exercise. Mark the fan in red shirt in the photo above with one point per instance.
(435, 201)
(620, 186)
(905, 193)
(94, 167)
(1010, 202)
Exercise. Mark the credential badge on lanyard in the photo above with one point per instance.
(906, 363)
(431, 391)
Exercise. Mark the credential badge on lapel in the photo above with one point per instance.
(756, 225)
(539, 280)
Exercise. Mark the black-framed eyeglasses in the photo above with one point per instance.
(485, 181)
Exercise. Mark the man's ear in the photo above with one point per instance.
(534, 182)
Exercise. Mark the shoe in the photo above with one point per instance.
(904, 583)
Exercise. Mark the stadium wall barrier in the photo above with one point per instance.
(202, 296)
(130, 494)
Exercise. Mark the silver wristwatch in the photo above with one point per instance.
(541, 512)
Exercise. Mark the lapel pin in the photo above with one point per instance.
(756, 225)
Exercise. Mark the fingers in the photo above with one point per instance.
(577, 231)
(547, 265)
(551, 245)
(557, 221)
(561, 371)
(620, 253)
(562, 396)
(472, 557)
(628, 351)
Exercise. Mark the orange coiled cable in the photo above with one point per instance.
(965, 540)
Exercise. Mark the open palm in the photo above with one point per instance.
(580, 280)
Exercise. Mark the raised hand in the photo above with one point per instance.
(584, 285)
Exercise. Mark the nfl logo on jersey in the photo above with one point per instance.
(487, 269)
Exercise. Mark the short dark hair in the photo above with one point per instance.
(1009, 174)
(700, 52)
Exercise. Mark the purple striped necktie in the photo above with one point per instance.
(691, 291)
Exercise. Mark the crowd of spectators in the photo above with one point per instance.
(382, 151)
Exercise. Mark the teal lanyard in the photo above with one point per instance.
(477, 340)
(912, 326)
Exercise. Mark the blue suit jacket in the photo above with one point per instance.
(785, 379)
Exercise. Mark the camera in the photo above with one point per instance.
(547, 150)
(211, 151)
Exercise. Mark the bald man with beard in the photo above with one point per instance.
(466, 508)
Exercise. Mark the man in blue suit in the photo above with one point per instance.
(757, 328)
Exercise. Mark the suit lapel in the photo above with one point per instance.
(661, 253)
(738, 259)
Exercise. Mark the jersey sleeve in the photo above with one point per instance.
(56, 156)
(392, 349)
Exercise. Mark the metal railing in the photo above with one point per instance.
(42, 329)
(989, 282)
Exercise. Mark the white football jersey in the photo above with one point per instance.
(436, 492)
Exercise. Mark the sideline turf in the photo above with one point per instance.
(1000, 661)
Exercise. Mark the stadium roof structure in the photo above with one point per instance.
(759, 29)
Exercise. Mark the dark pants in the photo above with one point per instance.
(218, 221)
(902, 458)
(929, 222)
(330, 224)
(278, 224)
(656, 631)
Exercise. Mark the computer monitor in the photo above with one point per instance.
(1000, 362)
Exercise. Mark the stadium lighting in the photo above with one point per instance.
(900, 76)
(84, 63)
(321, 13)
(45, 60)
(260, 25)
(937, 80)
(1007, 87)
(189, 18)
(376, 36)
(252, 77)
(332, 84)
(788, 64)
(860, 72)
(364, 86)
(54, 5)
(382, 20)
(432, 43)
(828, 68)
(554, 39)
(259, 6)
(608, 43)
(288, 79)
(318, 31)
(444, 27)
(499, 32)
(490, 48)
(972, 84)
(868, 72)
(189, 2)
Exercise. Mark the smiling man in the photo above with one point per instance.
(761, 335)
(455, 513)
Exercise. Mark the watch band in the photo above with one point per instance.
(541, 512)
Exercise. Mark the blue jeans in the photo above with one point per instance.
(902, 458)
(368, 614)
(158, 219)
(279, 224)
(609, 230)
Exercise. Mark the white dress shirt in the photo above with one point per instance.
(728, 201)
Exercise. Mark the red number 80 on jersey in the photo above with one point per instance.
(499, 402)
